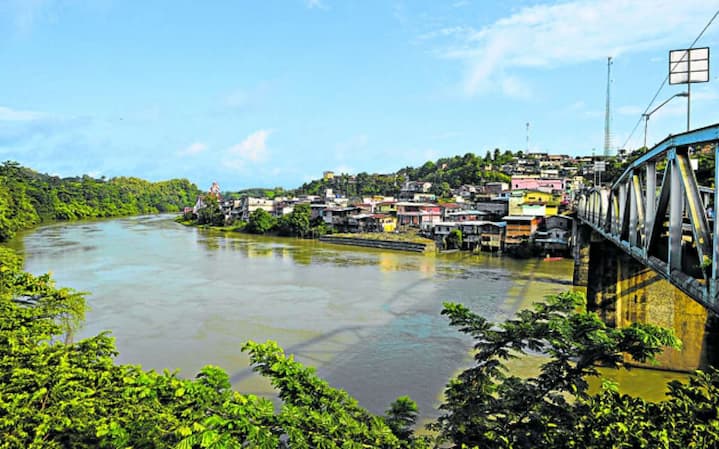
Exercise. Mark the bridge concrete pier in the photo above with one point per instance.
(623, 291)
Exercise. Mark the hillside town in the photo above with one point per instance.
(529, 215)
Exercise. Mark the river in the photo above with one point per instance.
(177, 297)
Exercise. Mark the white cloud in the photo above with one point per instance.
(568, 33)
(252, 149)
(18, 126)
(193, 149)
(25, 13)
(15, 115)
(312, 4)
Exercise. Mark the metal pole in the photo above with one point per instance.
(676, 203)
(651, 195)
(689, 86)
(646, 121)
(714, 283)
(689, 108)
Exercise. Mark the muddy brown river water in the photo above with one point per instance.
(369, 320)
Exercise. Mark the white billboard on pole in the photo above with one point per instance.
(689, 66)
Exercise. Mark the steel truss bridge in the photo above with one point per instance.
(657, 213)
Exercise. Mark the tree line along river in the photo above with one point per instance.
(369, 320)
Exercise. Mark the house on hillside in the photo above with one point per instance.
(250, 204)
(495, 208)
(442, 229)
(448, 208)
(520, 229)
(533, 203)
(467, 215)
(339, 218)
(412, 188)
(384, 223)
(483, 235)
(386, 207)
(494, 188)
(555, 237)
(361, 222)
(417, 214)
(538, 183)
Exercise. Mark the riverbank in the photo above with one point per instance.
(404, 241)
(193, 223)
(401, 242)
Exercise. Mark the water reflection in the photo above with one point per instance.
(368, 319)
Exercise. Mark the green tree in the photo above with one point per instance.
(297, 222)
(488, 407)
(260, 222)
(454, 239)
(28, 197)
(210, 214)
(442, 189)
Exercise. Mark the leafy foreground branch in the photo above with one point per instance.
(72, 395)
(488, 407)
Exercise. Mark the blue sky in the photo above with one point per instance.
(271, 93)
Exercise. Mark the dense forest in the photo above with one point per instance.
(28, 197)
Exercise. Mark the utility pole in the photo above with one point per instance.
(607, 115)
(594, 171)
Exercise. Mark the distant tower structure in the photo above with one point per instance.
(607, 114)
(215, 190)
(527, 137)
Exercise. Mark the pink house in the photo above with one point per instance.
(416, 214)
(536, 183)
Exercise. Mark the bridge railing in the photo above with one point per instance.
(657, 212)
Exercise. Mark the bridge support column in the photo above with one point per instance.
(646, 297)
(622, 291)
(580, 251)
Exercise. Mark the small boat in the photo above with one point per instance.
(553, 259)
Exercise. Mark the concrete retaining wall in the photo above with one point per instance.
(383, 244)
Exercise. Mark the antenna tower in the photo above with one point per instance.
(527, 137)
(607, 115)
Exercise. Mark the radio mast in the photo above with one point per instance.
(527, 137)
(607, 115)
